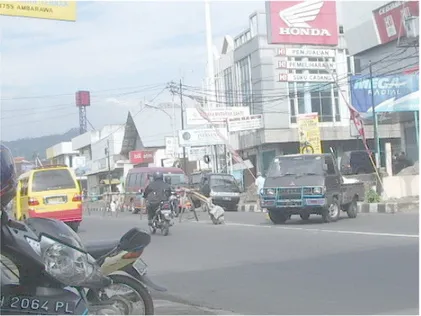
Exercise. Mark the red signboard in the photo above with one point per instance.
(388, 19)
(141, 156)
(302, 22)
(83, 98)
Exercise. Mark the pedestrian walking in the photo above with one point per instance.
(259, 182)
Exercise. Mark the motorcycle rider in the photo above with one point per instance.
(156, 192)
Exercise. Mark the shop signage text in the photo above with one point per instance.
(141, 156)
(305, 78)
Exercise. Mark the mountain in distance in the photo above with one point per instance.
(26, 147)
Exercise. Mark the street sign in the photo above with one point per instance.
(197, 153)
(245, 123)
(50, 10)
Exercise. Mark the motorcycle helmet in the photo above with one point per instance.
(158, 175)
(8, 179)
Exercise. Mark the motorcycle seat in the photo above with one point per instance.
(99, 248)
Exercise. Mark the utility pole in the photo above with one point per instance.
(107, 152)
(375, 131)
(182, 125)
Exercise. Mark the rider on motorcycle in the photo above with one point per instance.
(156, 192)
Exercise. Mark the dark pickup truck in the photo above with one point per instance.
(309, 184)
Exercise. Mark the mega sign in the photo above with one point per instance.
(389, 22)
(140, 156)
(395, 93)
(310, 22)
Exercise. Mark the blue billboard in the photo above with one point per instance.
(395, 93)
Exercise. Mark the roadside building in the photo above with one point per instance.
(390, 42)
(282, 70)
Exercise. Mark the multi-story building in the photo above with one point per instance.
(280, 69)
(390, 44)
(99, 148)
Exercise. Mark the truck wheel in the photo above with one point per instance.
(278, 217)
(305, 217)
(332, 212)
(352, 210)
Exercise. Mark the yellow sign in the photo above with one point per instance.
(309, 133)
(51, 10)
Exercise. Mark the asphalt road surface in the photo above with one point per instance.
(367, 265)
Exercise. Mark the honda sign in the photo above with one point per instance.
(311, 22)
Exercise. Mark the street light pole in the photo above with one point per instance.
(373, 108)
(182, 125)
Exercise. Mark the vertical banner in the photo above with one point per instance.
(309, 133)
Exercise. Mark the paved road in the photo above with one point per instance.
(367, 265)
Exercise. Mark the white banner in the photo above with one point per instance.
(245, 123)
(307, 52)
(316, 65)
(172, 149)
(215, 115)
(306, 77)
(202, 137)
(197, 153)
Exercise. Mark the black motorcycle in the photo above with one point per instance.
(57, 275)
(162, 219)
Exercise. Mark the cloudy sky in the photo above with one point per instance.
(124, 52)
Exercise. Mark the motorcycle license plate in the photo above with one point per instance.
(22, 304)
(140, 266)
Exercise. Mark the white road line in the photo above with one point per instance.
(349, 232)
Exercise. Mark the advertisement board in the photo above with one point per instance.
(396, 93)
(171, 146)
(306, 78)
(202, 137)
(388, 19)
(141, 156)
(302, 22)
(197, 153)
(83, 98)
(215, 115)
(307, 65)
(245, 123)
(307, 52)
(50, 10)
(309, 133)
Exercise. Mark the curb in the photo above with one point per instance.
(387, 207)
(252, 207)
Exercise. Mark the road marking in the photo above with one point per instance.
(349, 232)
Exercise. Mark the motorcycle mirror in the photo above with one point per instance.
(133, 239)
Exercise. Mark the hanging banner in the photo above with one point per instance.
(309, 133)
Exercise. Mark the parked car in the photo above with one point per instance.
(138, 179)
(221, 187)
(309, 184)
(356, 162)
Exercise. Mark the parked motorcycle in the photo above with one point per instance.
(162, 219)
(112, 258)
(52, 270)
(175, 203)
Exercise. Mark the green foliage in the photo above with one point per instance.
(372, 196)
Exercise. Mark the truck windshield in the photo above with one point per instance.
(296, 166)
(224, 183)
(176, 179)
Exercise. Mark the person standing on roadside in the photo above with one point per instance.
(259, 182)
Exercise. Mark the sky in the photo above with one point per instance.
(139, 46)
(123, 52)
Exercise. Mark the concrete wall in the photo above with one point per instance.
(401, 186)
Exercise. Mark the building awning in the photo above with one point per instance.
(107, 181)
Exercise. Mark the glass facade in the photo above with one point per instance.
(244, 82)
(229, 87)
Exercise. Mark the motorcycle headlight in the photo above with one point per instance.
(68, 265)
